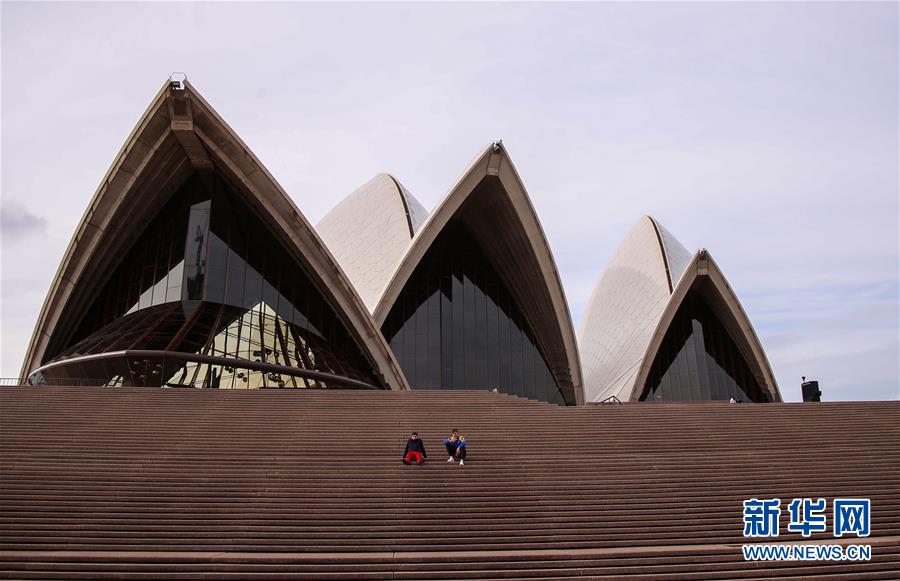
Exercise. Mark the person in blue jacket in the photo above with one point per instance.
(456, 447)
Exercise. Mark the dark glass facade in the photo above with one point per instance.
(456, 325)
(698, 360)
(207, 278)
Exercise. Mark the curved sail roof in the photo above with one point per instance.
(369, 231)
(625, 306)
(633, 303)
(491, 201)
(179, 135)
(703, 276)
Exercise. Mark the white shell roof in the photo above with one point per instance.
(625, 308)
(518, 240)
(369, 232)
(721, 298)
(179, 134)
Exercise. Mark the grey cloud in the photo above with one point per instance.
(18, 223)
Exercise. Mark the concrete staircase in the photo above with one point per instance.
(133, 483)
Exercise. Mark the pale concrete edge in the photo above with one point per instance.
(423, 239)
(549, 269)
(702, 264)
(51, 301)
(321, 260)
(448, 207)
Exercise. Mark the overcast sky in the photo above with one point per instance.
(765, 132)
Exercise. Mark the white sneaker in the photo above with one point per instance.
(462, 463)
(450, 459)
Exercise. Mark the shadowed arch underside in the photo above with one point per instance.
(704, 346)
(189, 241)
(480, 268)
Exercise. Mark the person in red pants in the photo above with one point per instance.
(415, 450)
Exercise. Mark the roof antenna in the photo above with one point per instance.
(497, 145)
(176, 81)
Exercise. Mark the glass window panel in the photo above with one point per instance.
(225, 263)
(468, 327)
(195, 249)
(475, 336)
(252, 287)
(459, 362)
(234, 283)
(480, 367)
(446, 356)
(698, 360)
(492, 359)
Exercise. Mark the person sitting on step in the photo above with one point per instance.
(456, 447)
(415, 450)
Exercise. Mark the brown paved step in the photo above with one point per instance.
(677, 562)
(191, 470)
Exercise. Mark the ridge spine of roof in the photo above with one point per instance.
(405, 202)
(662, 251)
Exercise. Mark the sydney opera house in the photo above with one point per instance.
(321, 348)
(192, 267)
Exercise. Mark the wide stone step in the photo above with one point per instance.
(100, 483)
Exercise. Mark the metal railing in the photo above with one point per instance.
(611, 400)
(71, 382)
(106, 382)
